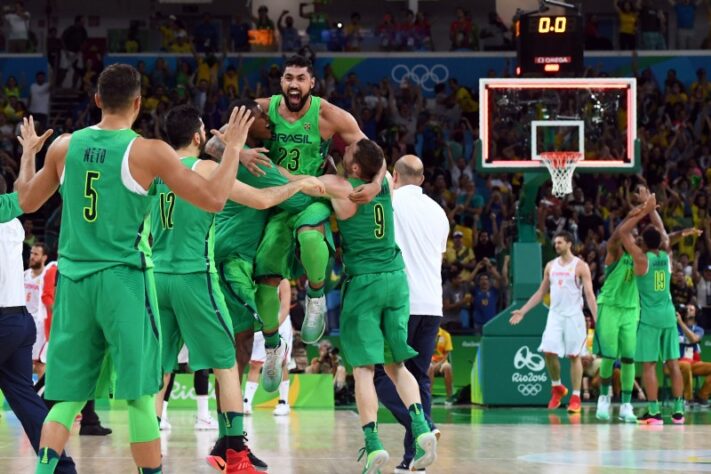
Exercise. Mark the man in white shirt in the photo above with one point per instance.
(17, 335)
(34, 286)
(421, 231)
(18, 31)
(39, 99)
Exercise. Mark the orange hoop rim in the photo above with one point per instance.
(560, 159)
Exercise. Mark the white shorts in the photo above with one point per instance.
(39, 340)
(43, 353)
(565, 336)
(287, 335)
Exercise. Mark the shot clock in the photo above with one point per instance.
(549, 45)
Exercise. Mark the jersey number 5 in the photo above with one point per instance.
(90, 212)
(167, 203)
(379, 214)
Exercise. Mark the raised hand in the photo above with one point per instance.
(235, 135)
(28, 136)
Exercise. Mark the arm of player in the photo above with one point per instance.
(675, 237)
(518, 314)
(338, 189)
(614, 244)
(284, 300)
(35, 188)
(584, 274)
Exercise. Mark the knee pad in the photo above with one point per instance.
(142, 422)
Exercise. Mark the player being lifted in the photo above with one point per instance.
(303, 126)
(566, 278)
(192, 307)
(105, 300)
(657, 334)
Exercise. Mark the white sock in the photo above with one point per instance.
(609, 391)
(576, 392)
(249, 390)
(202, 405)
(555, 382)
(284, 391)
(164, 414)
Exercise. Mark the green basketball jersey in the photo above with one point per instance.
(183, 235)
(297, 146)
(368, 238)
(238, 228)
(619, 288)
(9, 207)
(654, 292)
(101, 216)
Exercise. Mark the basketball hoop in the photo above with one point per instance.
(561, 165)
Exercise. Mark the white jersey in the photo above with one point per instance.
(33, 294)
(566, 289)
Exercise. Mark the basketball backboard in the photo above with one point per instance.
(522, 118)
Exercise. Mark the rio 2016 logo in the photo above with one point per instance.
(421, 75)
(528, 384)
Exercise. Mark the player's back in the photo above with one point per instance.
(297, 146)
(103, 206)
(654, 292)
(566, 289)
(619, 288)
(183, 235)
(368, 238)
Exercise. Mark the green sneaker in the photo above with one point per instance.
(374, 461)
(425, 451)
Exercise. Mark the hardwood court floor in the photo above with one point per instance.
(473, 440)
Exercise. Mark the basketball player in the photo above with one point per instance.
(105, 303)
(657, 331)
(565, 277)
(192, 308)
(258, 355)
(34, 288)
(303, 128)
(376, 304)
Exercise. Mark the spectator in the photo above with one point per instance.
(329, 361)
(264, 38)
(318, 21)
(239, 35)
(132, 43)
(703, 294)
(406, 39)
(461, 256)
(457, 301)
(423, 32)
(627, 15)
(685, 17)
(485, 295)
(11, 88)
(73, 40)
(39, 99)
(290, 40)
(440, 362)
(590, 221)
(690, 364)
(207, 38)
(354, 33)
(181, 43)
(485, 247)
(681, 290)
(593, 39)
(652, 24)
(18, 28)
(387, 33)
(168, 33)
(460, 31)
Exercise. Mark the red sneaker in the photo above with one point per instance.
(238, 463)
(557, 394)
(574, 404)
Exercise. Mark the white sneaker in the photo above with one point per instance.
(247, 408)
(271, 371)
(314, 320)
(206, 424)
(603, 408)
(627, 413)
(282, 409)
(164, 425)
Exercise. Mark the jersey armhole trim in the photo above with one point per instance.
(126, 178)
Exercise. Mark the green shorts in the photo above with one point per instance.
(108, 319)
(375, 311)
(657, 343)
(193, 310)
(616, 332)
(237, 283)
(277, 252)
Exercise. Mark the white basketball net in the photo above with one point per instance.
(561, 165)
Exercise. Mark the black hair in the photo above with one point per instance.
(3, 185)
(43, 246)
(119, 85)
(369, 156)
(652, 238)
(565, 235)
(181, 124)
(299, 61)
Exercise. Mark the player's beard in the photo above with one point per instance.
(301, 104)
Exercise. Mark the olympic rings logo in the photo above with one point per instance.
(525, 358)
(421, 75)
(529, 389)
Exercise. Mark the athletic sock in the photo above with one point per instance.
(150, 470)
(222, 431)
(627, 372)
(271, 340)
(250, 389)
(314, 257)
(654, 407)
(164, 413)
(626, 397)
(679, 405)
(606, 369)
(203, 407)
(417, 418)
(48, 460)
(284, 391)
(234, 423)
(555, 383)
(267, 298)
(372, 440)
(576, 393)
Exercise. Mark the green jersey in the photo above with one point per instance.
(103, 206)
(654, 292)
(238, 228)
(619, 288)
(298, 146)
(183, 235)
(9, 207)
(368, 238)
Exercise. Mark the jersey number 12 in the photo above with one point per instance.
(167, 203)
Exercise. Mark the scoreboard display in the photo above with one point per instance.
(549, 45)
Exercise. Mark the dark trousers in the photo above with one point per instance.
(421, 336)
(17, 334)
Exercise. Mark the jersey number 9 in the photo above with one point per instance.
(379, 214)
